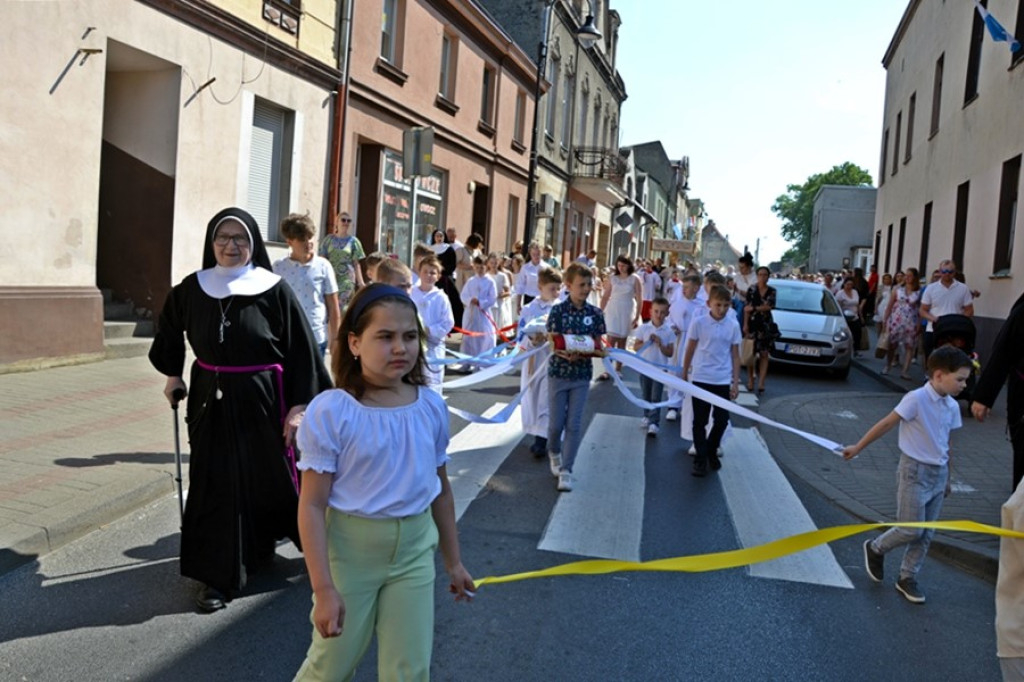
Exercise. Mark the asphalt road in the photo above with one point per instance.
(111, 606)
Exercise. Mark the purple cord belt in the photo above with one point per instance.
(278, 371)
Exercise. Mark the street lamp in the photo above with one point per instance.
(588, 35)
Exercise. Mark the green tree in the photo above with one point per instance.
(796, 206)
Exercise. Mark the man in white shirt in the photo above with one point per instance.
(944, 297)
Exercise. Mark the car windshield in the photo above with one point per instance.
(806, 300)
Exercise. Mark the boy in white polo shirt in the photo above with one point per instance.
(655, 341)
(926, 416)
(713, 350)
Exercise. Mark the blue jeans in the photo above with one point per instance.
(566, 400)
(651, 391)
(918, 498)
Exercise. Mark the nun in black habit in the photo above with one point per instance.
(257, 365)
(445, 250)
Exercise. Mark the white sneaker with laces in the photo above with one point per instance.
(644, 422)
(555, 463)
(652, 430)
(672, 415)
(565, 482)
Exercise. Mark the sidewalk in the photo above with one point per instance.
(866, 487)
(82, 446)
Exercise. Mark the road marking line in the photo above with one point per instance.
(603, 516)
(476, 452)
(765, 507)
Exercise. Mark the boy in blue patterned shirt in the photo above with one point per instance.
(569, 374)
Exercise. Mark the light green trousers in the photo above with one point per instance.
(384, 570)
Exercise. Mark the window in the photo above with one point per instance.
(885, 156)
(519, 131)
(888, 249)
(1006, 227)
(596, 132)
(512, 224)
(937, 94)
(584, 109)
(449, 53)
(899, 243)
(270, 166)
(896, 144)
(910, 126)
(974, 58)
(604, 133)
(487, 89)
(1018, 30)
(283, 13)
(409, 212)
(549, 120)
(963, 193)
(389, 31)
(926, 236)
(567, 97)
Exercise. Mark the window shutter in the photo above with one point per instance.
(265, 169)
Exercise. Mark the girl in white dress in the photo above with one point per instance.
(622, 300)
(436, 315)
(478, 296)
(501, 310)
(376, 502)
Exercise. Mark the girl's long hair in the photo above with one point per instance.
(347, 371)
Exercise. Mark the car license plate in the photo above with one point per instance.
(804, 350)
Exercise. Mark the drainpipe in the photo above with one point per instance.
(339, 117)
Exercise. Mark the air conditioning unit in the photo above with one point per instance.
(546, 207)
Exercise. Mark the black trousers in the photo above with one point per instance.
(703, 442)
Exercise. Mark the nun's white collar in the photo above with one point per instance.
(243, 280)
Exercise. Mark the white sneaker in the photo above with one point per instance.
(672, 415)
(565, 482)
(644, 422)
(652, 430)
(692, 452)
(555, 462)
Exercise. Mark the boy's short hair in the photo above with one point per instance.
(392, 269)
(691, 279)
(660, 300)
(719, 292)
(375, 258)
(549, 276)
(431, 260)
(947, 359)
(420, 250)
(714, 277)
(479, 260)
(575, 271)
(297, 226)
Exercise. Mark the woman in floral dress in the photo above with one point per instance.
(903, 322)
(344, 253)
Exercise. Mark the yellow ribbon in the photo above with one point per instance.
(716, 561)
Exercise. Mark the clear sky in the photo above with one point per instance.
(758, 93)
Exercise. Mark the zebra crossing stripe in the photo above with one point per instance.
(476, 452)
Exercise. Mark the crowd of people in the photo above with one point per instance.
(369, 501)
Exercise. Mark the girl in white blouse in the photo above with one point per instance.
(376, 501)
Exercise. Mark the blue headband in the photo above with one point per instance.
(375, 292)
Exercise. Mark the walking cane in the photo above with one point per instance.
(176, 397)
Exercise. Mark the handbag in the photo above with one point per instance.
(747, 353)
(883, 344)
(865, 342)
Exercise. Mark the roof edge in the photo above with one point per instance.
(908, 14)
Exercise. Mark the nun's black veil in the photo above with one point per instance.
(259, 256)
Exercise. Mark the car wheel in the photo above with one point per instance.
(841, 374)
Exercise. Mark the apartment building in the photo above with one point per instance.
(952, 139)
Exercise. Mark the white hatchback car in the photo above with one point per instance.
(812, 329)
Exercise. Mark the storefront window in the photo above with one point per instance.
(409, 216)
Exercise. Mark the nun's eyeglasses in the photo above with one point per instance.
(241, 240)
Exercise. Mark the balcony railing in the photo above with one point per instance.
(600, 163)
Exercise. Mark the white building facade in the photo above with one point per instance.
(952, 139)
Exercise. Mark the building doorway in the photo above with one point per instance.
(135, 226)
(481, 213)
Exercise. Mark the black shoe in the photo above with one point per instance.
(700, 468)
(909, 589)
(874, 563)
(714, 462)
(209, 600)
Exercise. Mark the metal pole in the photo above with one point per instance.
(176, 397)
(531, 184)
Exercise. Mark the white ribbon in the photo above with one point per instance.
(640, 366)
(494, 370)
(506, 412)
